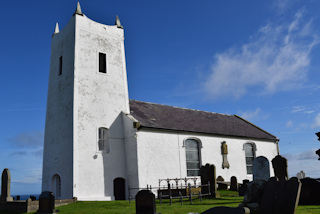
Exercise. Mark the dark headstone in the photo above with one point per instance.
(145, 202)
(18, 197)
(46, 202)
(280, 167)
(253, 195)
(208, 174)
(310, 189)
(221, 184)
(227, 210)
(280, 197)
(5, 186)
(243, 187)
(260, 168)
(233, 183)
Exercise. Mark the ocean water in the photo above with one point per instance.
(25, 197)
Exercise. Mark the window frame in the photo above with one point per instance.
(199, 146)
(103, 140)
(253, 146)
(60, 66)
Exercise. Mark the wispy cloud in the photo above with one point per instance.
(276, 58)
(28, 139)
(289, 123)
(316, 122)
(305, 155)
(250, 115)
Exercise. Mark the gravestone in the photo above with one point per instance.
(280, 167)
(253, 195)
(221, 185)
(261, 169)
(46, 203)
(233, 183)
(280, 196)
(208, 174)
(243, 187)
(5, 186)
(145, 202)
(227, 210)
(310, 189)
(301, 175)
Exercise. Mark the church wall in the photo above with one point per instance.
(161, 154)
(58, 142)
(99, 99)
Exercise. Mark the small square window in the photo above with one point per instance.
(102, 63)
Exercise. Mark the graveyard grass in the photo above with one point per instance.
(228, 198)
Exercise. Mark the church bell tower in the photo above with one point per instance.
(87, 93)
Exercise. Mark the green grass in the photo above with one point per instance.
(228, 198)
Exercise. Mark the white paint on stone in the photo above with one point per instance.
(81, 100)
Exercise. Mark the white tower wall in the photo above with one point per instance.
(80, 101)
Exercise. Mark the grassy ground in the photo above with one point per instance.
(228, 198)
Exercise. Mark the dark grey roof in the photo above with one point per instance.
(151, 115)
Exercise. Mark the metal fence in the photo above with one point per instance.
(181, 191)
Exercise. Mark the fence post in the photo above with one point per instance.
(170, 196)
(181, 198)
(200, 196)
(160, 198)
(129, 195)
(209, 189)
(189, 186)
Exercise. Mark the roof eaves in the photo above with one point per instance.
(215, 134)
(256, 126)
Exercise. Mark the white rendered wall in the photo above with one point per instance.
(99, 100)
(162, 155)
(58, 141)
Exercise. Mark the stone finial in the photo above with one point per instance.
(56, 30)
(78, 10)
(118, 23)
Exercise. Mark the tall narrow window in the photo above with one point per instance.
(60, 65)
(192, 157)
(102, 63)
(56, 186)
(249, 152)
(103, 140)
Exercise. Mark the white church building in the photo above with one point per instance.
(98, 142)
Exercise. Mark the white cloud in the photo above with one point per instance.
(275, 59)
(316, 122)
(289, 123)
(250, 115)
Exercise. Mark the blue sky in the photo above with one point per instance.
(257, 59)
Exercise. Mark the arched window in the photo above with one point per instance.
(103, 139)
(56, 186)
(249, 149)
(192, 157)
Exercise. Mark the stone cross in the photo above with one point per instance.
(301, 175)
(280, 167)
(145, 202)
(208, 174)
(5, 186)
(260, 168)
(233, 183)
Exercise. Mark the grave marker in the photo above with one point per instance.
(233, 183)
(280, 167)
(145, 202)
(261, 169)
(5, 186)
(208, 174)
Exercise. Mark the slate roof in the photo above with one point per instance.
(151, 115)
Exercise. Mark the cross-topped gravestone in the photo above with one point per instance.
(233, 183)
(261, 169)
(208, 174)
(145, 202)
(5, 186)
(280, 167)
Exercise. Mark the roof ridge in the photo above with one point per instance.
(255, 126)
(182, 108)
